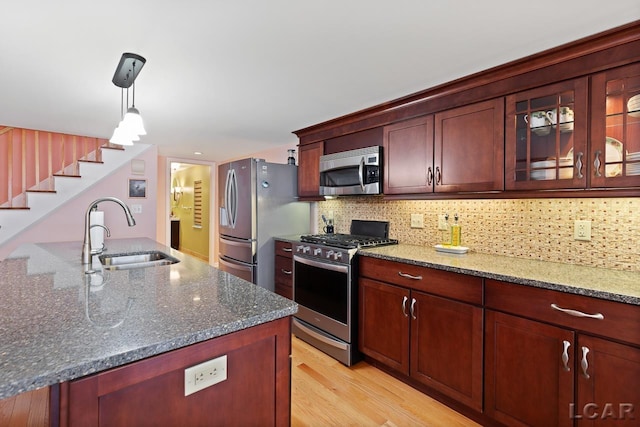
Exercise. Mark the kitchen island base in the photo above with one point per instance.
(150, 392)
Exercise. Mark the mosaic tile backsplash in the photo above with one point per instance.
(523, 228)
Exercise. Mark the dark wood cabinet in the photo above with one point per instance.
(608, 378)
(469, 148)
(551, 358)
(456, 150)
(546, 137)
(526, 382)
(151, 392)
(615, 128)
(309, 169)
(283, 268)
(408, 156)
(413, 325)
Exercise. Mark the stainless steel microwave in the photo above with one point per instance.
(354, 172)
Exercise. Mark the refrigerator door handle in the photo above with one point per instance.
(232, 198)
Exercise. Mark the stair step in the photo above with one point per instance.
(15, 207)
(99, 162)
(67, 175)
(40, 191)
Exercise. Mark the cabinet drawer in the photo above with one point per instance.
(619, 321)
(444, 283)
(284, 248)
(284, 270)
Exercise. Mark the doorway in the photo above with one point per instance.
(190, 202)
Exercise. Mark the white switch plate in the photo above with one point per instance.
(582, 230)
(417, 221)
(136, 209)
(205, 375)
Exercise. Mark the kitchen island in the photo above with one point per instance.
(122, 338)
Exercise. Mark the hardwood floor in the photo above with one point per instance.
(26, 410)
(326, 393)
(323, 392)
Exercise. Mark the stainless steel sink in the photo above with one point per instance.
(136, 260)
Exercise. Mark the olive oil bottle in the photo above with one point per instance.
(456, 232)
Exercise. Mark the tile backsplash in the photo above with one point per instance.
(524, 228)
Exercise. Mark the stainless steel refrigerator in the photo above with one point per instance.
(257, 201)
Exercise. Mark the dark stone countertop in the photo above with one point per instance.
(58, 323)
(613, 285)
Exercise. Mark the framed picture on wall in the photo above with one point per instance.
(137, 188)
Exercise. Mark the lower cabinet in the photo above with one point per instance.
(283, 271)
(527, 382)
(150, 392)
(554, 371)
(410, 321)
(514, 355)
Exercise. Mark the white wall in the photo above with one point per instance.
(67, 223)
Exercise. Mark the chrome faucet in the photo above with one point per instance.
(86, 244)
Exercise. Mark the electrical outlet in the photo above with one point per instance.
(417, 221)
(442, 223)
(582, 230)
(136, 209)
(205, 375)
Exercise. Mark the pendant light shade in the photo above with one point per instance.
(133, 121)
(120, 137)
(131, 126)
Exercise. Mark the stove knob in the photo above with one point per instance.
(338, 256)
(329, 254)
(306, 249)
(317, 251)
(299, 248)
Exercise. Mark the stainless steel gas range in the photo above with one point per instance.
(325, 287)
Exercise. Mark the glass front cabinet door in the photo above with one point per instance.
(546, 137)
(615, 128)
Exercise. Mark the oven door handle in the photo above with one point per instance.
(319, 337)
(322, 264)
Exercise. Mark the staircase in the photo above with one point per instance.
(40, 171)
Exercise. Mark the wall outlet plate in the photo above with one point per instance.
(417, 221)
(442, 223)
(582, 230)
(205, 375)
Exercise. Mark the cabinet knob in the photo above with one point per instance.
(429, 176)
(438, 176)
(413, 308)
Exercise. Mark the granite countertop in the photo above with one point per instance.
(614, 285)
(58, 323)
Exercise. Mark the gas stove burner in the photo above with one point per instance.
(347, 241)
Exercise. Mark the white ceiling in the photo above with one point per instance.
(233, 77)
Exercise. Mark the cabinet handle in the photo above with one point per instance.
(287, 249)
(565, 354)
(584, 363)
(409, 276)
(596, 163)
(579, 165)
(577, 313)
(285, 271)
(429, 176)
(413, 309)
(438, 175)
(404, 306)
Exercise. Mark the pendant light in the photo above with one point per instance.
(131, 126)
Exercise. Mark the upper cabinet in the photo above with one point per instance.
(457, 150)
(615, 127)
(408, 156)
(309, 169)
(546, 137)
(561, 123)
(469, 148)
